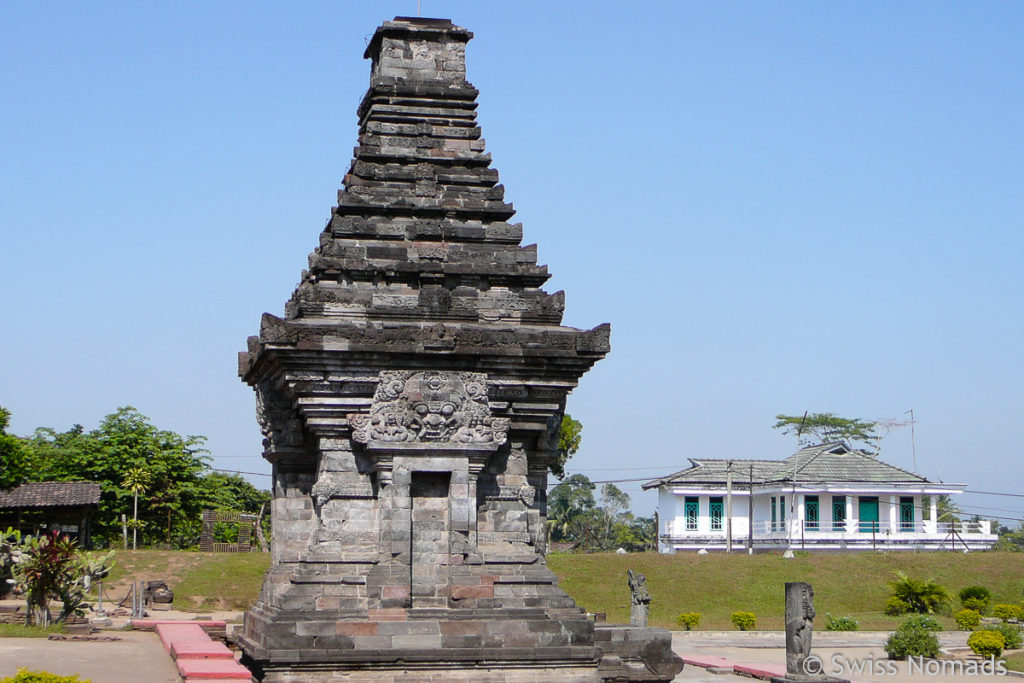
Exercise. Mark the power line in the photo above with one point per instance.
(994, 493)
(258, 474)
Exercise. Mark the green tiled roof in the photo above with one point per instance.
(824, 463)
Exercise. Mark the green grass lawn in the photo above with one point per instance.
(22, 631)
(225, 581)
(1015, 662)
(200, 581)
(853, 584)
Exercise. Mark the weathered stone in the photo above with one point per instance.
(410, 400)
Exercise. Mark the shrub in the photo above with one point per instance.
(912, 639)
(744, 621)
(976, 598)
(1007, 612)
(986, 643)
(896, 607)
(26, 676)
(1011, 634)
(923, 595)
(841, 623)
(977, 604)
(688, 620)
(922, 621)
(50, 570)
(967, 619)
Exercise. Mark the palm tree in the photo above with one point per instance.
(946, 510)
(923, 596)
(136, 480)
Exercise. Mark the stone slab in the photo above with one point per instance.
(762, 671)
(176, 633)
(707, 661)
(200, 649)
(216, 669)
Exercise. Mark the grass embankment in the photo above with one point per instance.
(200, 581)
(854, 584)
(1015, 662)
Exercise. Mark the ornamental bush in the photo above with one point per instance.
(688, 620)
(912, 639)
(26, 676)
(1011, 634)
(922, 621)
(1007, 612)
(976, 598)
(841, 623)
(967, 619)
(744, 621)
(977, 604)
(895, 607)
(986, 643)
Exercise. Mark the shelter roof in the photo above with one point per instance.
(48, 494)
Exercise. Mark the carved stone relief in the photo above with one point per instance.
(430, 407)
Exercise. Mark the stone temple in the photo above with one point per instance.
(410, 400)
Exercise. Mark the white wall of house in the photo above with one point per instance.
(792, 529)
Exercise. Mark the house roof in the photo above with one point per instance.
(824, 463)
(48, 494)
(716, 471)
(836, 463)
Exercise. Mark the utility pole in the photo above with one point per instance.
(728, 508)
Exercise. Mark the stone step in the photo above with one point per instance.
(179, 633)
(200, 649)
(212, 669)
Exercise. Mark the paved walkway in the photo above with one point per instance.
(140, 657)
(137, 658)
(857, 656)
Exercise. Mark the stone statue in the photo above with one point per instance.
(641, 599)
(799, 625)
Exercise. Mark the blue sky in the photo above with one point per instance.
(779, 207)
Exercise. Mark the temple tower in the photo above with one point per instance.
(410, 400)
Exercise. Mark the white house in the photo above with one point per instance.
(822, 497)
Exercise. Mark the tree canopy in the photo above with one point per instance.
(817, 428)
(596, 525)
(14, 463)
(570, 434)
(179, 483)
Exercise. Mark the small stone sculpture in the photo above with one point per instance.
(799, 626)
(801, 665)
(641, 599)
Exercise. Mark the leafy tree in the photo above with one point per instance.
(180, 482)
(575, 515)
(125, 440)
(817, 428)
(1010, 540)
(567, 503)
(223, 491)
(614, 504)
(14, 460)
(634, 534)
(570, 434)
